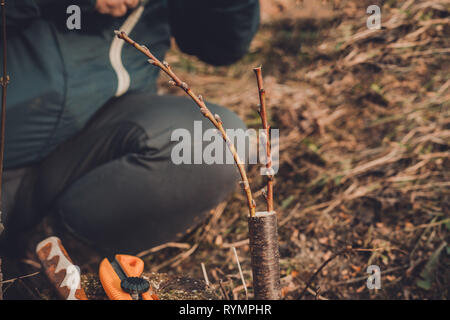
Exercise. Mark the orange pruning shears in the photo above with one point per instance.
(121, 279)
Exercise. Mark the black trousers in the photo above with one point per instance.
(114, 184)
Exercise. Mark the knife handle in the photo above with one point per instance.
(60, 270)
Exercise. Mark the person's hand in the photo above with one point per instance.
(115, 8)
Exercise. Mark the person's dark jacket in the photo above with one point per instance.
(61, 77)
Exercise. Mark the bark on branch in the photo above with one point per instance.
(215, 119)
(266, 127)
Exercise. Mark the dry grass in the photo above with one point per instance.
(365, 127)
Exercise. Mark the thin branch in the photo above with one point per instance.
(163, 246)
(177, 259)
(215, 119)
(21, 277)
(237, 290)
(308, 284)
(266, 127)
(337, 254)
(241, 243)
(241, 273)
(224, 292)
(358, 279)
(205, 275)
(32, 263)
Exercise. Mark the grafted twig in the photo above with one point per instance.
(266, 127)
(215, 119)
(263, 228)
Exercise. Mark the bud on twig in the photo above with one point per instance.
(244, 184)
(204, 111)
(264, 193)
(218, 119)
(184, 86)
(4, 83)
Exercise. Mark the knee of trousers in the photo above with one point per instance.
(169, 120)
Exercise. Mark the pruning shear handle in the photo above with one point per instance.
(121, 279)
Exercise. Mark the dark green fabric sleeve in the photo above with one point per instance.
(85, 5)
(20, 12)
(81, 3)
(217, 31)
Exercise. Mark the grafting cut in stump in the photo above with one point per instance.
(265, 255)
